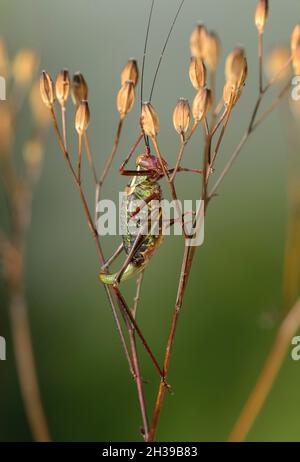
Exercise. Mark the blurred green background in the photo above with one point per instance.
(223, 337)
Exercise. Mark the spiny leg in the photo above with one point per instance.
(127, 159)
(184, 169)
(137, 243)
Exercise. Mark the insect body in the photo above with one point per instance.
(141, 244)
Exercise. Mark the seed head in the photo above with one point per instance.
(82, 117)
(295, 39)
(202, 104)
(149, 120)
(182, 116)
(24, 66)
(276, 62)
(211, 51)
(197, 73)
(47, 89)
(231, 94)
(236, 68)
(125, 98)
(130, 72)
(79, 89)
(261, 14)
(197, 41)
(62, 86)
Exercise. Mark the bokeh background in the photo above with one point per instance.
(234, 295)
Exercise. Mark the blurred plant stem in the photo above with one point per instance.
(291, 269)
(263, 386)
(26, 366)
(13, 251)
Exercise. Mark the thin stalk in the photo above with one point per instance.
(63, 123)
(90, 157)
(260, 60)
(18, 311)
(113, 153)
(185, 267)
(26, 367)
(79, 157)
(179, 158)
(139, 380)
(213, 87)
(273, 106)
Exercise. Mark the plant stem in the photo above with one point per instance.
(139, 380)
(185, 268)
(270, 370)
(26, 367)
(90, 157)
(112, 154)
(260, 60)
(14, 260)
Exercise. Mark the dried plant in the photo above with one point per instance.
(18, 188)
(213, 119)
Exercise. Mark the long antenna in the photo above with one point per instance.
(165, 46)
(145, 50)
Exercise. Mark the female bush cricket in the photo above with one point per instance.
(143, 187)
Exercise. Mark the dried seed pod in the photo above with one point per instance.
(211, 51)
(182, 116)
(197, 72)
(231, 94)
(236, 68)
(62, 86)
(197, 41)
(296, 61)
(149, 120)
(276, 63)
(47, 89)
(201, 104)
(261, 14)
(79, 89)
(130, 72)
(82, 117)
(4, 61)
(295, 39)
(24, 66)
(125, 98)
